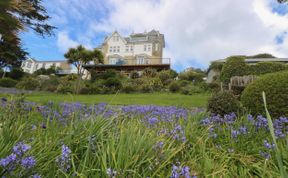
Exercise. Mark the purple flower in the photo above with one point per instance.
(243, 130)
(21, 148)
(4, 162)
(268, 145)
(28, 162)
(179, 171)
(64, 160)
(234, 133)
(36, 176)
(265, 155)
(153, 120)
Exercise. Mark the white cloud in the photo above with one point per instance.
(64, 42)
(201, 31)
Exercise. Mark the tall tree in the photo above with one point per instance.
(80, 56)
(17, 16)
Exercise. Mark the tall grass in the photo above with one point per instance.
(131, 147)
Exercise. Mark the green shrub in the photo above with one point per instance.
(214, 86)
(28, 83)
(193, 76)
(65, 85)
(149, 72)
(192, 89)
(113, 83)
(275, 86)
(223, 103)
(265, 67)
(134, 75)
(50, 84)
(16, 73)
(166, 76)
(234, 66)
(174, 87)
(7, 82)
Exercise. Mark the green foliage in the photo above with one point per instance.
(275, 86)
(51, 70)
(166, 76)
(28, 83)
(7, 82)
(234, 66)
(16, 73)
(65, 85)
(263, 55)
(134, 75)
(223, 103)
(17, 17)
(50, 84)
(174, 87)
(192, 75)
(112, 84)
(265, 67)
(149, 72)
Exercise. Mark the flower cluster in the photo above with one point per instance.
(63, 161)
(179, 171)
(17, 158)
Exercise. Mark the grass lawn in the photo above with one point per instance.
(163, 99)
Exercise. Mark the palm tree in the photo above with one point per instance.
(80, 56)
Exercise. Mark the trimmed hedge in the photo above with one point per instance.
(223, 103)
(275, 86)
(234, 66)
(7, 82)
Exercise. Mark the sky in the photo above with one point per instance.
(196, 31)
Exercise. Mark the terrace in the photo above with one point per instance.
(128, 65)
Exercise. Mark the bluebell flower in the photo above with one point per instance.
(21, 148)
(9, 160)
(63, 161)
(268, 145)
(153, 120)
(28, 162)
(265, 155)
(36, 176)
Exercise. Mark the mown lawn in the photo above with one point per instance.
(162, 99)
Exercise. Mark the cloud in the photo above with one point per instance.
(196, 32)
(201, 31)
(64, 42)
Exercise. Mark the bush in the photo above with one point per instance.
(265, 67)
(275, 86)
(113, 84)
(28, 83)
(174, 87)
(234, 66)
(149, 72)
(214, 86)
(192, 89)
(16, 73)
(134, 75)
(193, 76)
(166, 76)
(50, 84)
(8, 82)
(223, 103)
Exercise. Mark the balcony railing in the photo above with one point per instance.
(141, 61)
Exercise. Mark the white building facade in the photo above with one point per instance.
(32, 65)
(136, 49)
